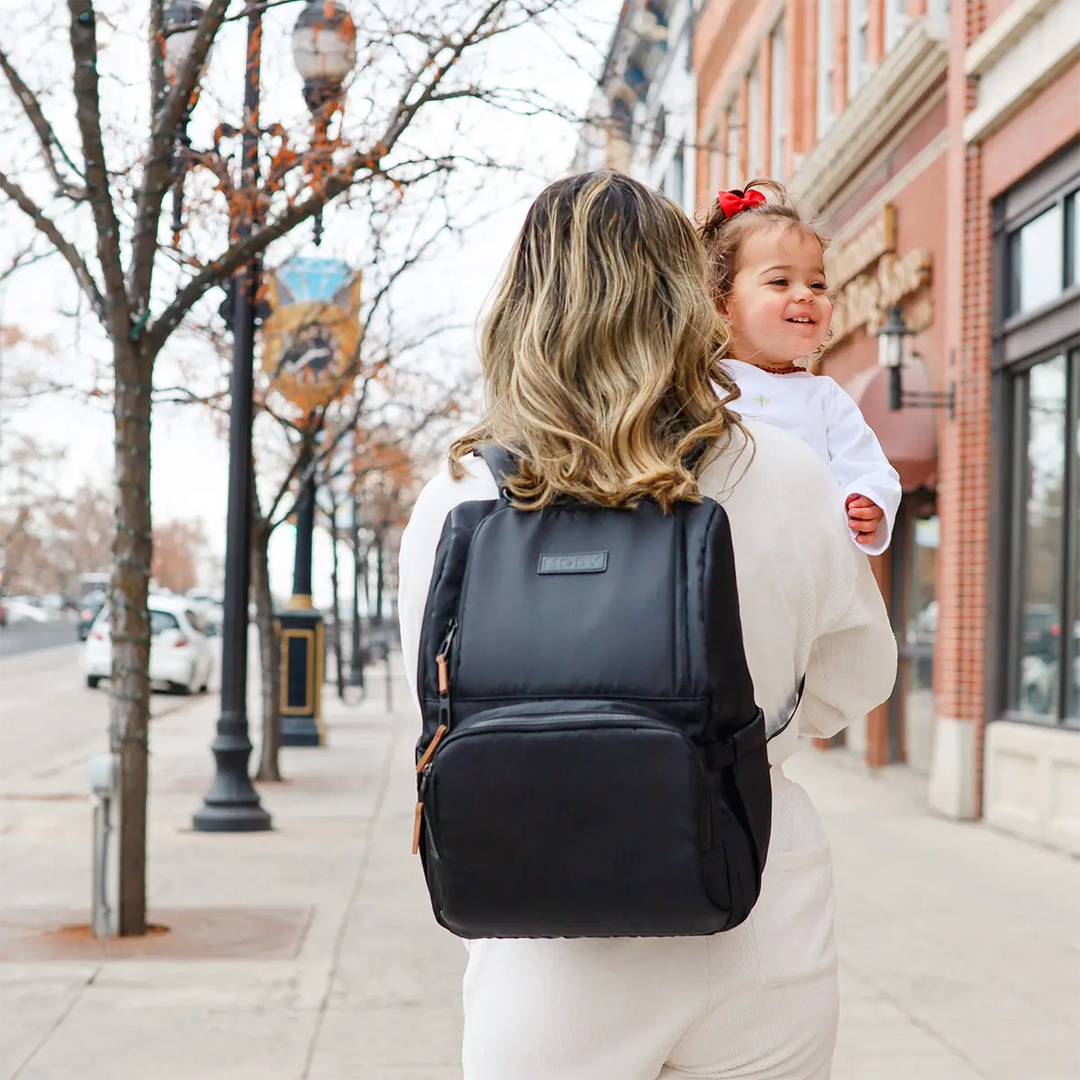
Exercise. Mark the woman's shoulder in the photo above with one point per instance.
(444, 491)
(768, 459)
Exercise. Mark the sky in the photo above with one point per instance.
(190, 461)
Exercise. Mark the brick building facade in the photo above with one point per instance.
(939, 145)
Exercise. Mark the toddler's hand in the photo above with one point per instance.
(864, 517)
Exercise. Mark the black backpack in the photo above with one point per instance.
(592, 762)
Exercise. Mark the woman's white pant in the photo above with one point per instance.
(759, 1002)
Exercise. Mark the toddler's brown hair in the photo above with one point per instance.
(723, 230)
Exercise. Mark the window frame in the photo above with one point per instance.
(826, 65)
(735, 134)
(717, 164)
(1019, 343)
(777, 102)
(897, 19)
(858, 32)
(754, 126)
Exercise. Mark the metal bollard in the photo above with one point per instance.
(103, 776)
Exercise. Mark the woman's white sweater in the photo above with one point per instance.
(808, 601)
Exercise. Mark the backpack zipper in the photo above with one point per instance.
(573, 718)
(423, 766)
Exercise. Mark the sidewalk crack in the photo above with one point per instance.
(922, 1025)
(56, 1024)
(354, 893)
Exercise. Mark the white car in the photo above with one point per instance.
(181, 655)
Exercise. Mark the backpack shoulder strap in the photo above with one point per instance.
(499, 460)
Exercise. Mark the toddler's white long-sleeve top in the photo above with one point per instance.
(820, 412)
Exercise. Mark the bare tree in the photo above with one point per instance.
(400, 404)
(141, 290)
(178, 546)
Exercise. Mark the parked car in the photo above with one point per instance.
(211, 609)
(181, 656)
(88, 612)
(23, 609)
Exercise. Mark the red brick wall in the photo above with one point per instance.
(964, 452)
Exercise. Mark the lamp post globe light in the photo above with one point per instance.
(324, 50)
(326, 38)
(891, 339)
(181, 18)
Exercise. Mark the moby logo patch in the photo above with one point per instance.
(587, 562)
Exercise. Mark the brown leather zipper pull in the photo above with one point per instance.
(444, 674)
(416, 828)
(422, 763)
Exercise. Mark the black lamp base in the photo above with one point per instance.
(223, 819)
(231, 804)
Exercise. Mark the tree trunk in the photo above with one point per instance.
(129, 703)
(367, 583)
(380, 577)
(269, 650)
(356, 661)
(339, 653)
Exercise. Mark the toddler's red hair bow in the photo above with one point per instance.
(734, 202)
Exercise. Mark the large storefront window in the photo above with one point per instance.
(914, 608)
(1035, 666)
(1045, 667)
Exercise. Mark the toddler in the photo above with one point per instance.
(767, 278)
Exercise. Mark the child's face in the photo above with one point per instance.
(778, 309)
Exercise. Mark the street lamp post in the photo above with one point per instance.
(356, 658)
(892, 357)
(232, 804)
(324, 39)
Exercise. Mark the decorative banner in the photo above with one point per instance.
(311, 338)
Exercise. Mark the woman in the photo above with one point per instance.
(600, 352)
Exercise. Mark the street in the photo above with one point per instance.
(27, 636)
(49, 720)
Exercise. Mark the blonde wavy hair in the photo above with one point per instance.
(602, 351)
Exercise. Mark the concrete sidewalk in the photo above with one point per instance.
(310, 952)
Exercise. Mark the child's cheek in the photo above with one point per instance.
(826, 315)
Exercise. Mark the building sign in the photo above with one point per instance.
(865, 250)
(312, 337)
(874, 278)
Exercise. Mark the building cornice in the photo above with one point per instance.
(1022, 50)
(1003, 33)
(900, 82)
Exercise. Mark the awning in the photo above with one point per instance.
(908, 436)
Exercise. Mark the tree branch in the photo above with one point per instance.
(48, 227)
(157, 53)
(46, 135)
(157, 171)
(84, 51)
(339, 181)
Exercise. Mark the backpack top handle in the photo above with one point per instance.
(501, 462)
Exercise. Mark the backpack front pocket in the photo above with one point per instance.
(568, 819)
